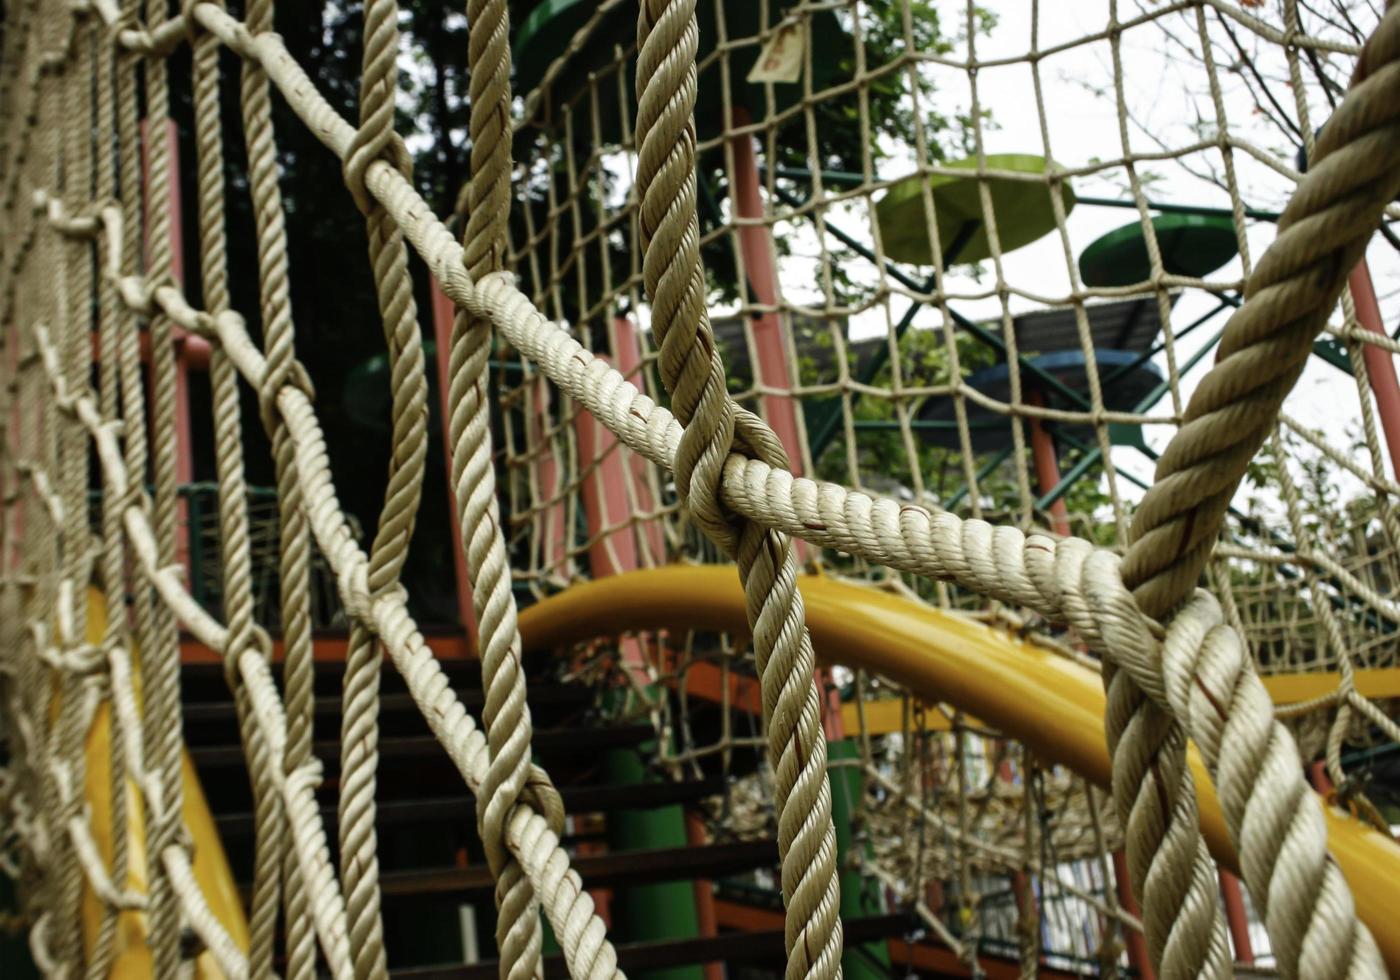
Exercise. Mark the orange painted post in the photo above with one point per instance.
(833, 720)
(704, 893)
(1136, 942)
(1380, 363)
(1047, 465)
(1236, 917)
(184, 438)
(934, 897)
(443, 314)
(769, 333)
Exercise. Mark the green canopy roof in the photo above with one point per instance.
(1023, 210)
(1191, 245)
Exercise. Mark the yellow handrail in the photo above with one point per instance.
(211, 867)
(1052, 704)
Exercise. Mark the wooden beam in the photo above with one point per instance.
(764, 947)
(598, 870)
(331, 647)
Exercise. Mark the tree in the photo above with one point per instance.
(332, 293)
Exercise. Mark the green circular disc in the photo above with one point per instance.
(1191, 244)
(546, 33)
(1023, 209)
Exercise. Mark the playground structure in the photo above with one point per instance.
(729, 288)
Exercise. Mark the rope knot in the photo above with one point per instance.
(87, 660)
(138, 293)
(192, 25)
(372, 143)
(353, 585)
(262, 639)
(540, 795)
(307, 775)
(258, 637)
(728, 429)
(126, 20)
(293, 375)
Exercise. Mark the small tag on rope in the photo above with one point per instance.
(783, 56)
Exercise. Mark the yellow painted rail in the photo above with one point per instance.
(211, 867)
(1053, 705)
(1296, 688)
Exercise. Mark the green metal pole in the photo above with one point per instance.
(872, 960)
(665, 910)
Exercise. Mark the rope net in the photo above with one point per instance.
(918, 295)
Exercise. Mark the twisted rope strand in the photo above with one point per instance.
(505, 715)
(359, 738)
(692, 371)
(160, 662)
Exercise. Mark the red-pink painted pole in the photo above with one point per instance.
(770, 343)
(756, 247)
(554, 546)
(604, 490)
(1021, 890)
(443, 314)
(1047, 465)
(706, 921)
(1322, 782)
(627, 357)
(833, 722)
(605, 482)
(184, 437)
(1380, 364)
(1236, 918)
(1136, 941)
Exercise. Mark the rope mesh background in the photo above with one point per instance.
(1307, 587)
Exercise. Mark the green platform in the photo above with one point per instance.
(1023, 209)
(1192, 245)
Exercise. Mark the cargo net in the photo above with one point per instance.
(870, 245)
(992, 855)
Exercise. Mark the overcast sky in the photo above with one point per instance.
(1163, 94)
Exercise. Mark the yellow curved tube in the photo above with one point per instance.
(211, 867)
(1052, 704)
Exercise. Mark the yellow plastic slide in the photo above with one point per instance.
(1053, 705)
(211, 867)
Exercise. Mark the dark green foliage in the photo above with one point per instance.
(333, 299)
